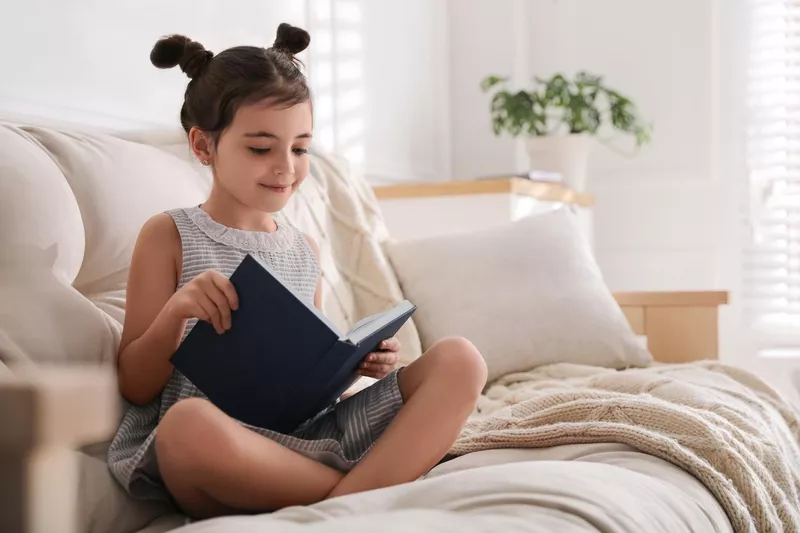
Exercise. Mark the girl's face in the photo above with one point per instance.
(262, 157)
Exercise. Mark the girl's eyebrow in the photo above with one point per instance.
(273, 136)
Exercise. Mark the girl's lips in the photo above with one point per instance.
(276, 188)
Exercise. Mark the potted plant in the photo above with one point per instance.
(560, 118)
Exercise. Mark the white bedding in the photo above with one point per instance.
(608, 488)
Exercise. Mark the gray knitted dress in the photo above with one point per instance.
(338, 437)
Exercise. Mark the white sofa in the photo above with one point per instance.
(71, 205)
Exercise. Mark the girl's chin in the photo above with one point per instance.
(264, 199)
(268, 205)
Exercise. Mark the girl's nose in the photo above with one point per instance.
(284, 165)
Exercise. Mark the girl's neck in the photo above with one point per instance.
(228, 211)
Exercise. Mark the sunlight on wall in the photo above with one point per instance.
(336, 75)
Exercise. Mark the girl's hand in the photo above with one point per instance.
(379, 364)
(209, 296)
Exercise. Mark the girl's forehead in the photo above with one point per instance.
(279, 120)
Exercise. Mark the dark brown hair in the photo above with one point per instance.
(240, 75)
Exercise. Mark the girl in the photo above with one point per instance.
(247, 113)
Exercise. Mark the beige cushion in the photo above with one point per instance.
(526, 294)
(38, 211)
(118, 186)
(70, 210)
(45, 320)
(43, 243)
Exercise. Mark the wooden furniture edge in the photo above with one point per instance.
(47, 413)
(672, 298)
(680, 326)
(542, 190)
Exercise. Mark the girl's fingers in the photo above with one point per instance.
(377, 367)
(227, 288)
(391, 344)
(221, 303)
(211, 311)
(386, 358)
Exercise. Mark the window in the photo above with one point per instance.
(772, 258)
(336, 77)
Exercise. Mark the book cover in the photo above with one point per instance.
(282, 361)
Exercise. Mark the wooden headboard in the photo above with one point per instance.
(679, 326)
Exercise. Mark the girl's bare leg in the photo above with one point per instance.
(213, 466)
(440, 390)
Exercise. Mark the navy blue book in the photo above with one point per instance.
(282, 361)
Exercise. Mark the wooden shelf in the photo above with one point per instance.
(669, 298)
(542, 190)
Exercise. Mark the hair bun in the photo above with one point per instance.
(180, 50)
(291, 39)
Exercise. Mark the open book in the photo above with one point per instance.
(282, 361)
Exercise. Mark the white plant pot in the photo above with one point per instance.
(567, 155)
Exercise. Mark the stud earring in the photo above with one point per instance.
(205, 162)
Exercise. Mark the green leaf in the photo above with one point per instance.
(490, 81)
(581, 105)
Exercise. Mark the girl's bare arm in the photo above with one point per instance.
(151, 334)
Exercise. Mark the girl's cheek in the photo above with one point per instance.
(301, 180)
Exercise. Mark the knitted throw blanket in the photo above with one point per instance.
(723, 425)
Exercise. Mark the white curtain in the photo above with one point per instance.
(772, 255)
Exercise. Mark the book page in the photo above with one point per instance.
(370, 325)
(362, 323)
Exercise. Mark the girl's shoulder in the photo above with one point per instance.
(158, 243)
(160, 229)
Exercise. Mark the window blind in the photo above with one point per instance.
(771, 272)
(335, 72)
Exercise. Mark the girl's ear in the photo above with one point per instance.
(201, 145)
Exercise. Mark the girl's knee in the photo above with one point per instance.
(184, 416)
(189, 429)
(185, 443)
(458, 357)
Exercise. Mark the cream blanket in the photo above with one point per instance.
(723, 425)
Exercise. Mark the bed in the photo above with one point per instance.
(590, 431)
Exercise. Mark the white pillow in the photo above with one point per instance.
(526, 294)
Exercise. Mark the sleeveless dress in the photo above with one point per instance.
(339, 436)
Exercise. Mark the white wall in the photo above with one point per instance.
(657, 223)
(658, 214)
(406, 56)
(483, 41)
(87, 62)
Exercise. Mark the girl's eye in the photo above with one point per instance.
(259, 151)
(301, 151)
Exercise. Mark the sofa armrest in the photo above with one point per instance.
(45, 414)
